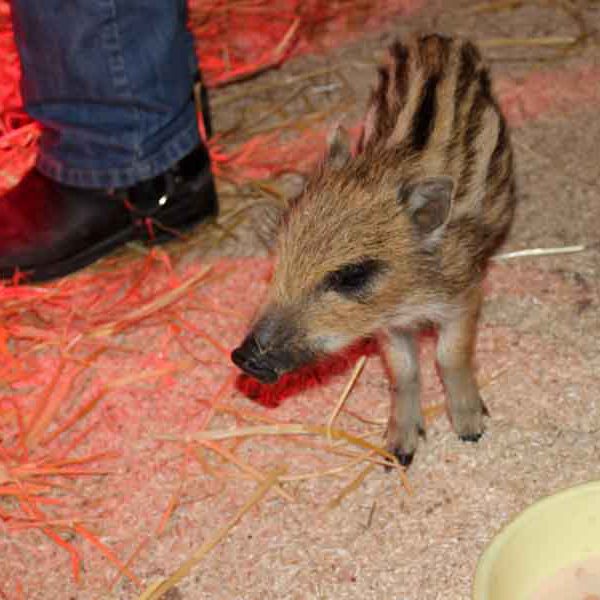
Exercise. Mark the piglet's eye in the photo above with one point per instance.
(353, 279)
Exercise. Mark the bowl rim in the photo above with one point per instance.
(491, 550)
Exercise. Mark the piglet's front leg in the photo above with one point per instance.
(405, 423)
(455, 351)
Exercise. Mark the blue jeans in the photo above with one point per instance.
(111, 83)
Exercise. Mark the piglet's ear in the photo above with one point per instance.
(338, 148)
(266, 222)
(428, 202)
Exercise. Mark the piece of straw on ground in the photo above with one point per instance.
(345, 393)
(156, 590)
(539, 252)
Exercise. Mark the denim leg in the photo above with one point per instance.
(111, 83)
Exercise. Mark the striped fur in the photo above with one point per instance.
(398, 235)
(433, 104)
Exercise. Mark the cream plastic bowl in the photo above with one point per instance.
(553, 533)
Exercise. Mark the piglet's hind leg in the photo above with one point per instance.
(455, 351)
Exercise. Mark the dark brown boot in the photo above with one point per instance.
(48, 230)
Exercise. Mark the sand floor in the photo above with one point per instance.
(539, 352)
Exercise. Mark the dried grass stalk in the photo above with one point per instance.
(543, 42)
(340, 403)
(299, 429)
(539, 252)
(497, 6)
(138, 314)
(276, 430)
(157, 589)
(254, 473)
(348, 489)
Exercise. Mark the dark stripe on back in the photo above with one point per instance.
(485, 84)
(472, 131)
(468, 76)
(424, 118)
(382, 109)
(467, 71)
(399, 55)
(360, 144)
(469, 61)
(494, 168)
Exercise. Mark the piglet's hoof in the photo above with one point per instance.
(472, 437)
(404, 459)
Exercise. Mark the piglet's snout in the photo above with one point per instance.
(249, 358)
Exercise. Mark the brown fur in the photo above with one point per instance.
(421, 207)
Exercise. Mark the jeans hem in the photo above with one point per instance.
(178, 147)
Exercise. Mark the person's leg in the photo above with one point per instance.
(111, 82)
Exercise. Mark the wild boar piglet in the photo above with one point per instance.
(396, 236)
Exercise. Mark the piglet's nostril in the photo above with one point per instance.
(246, 351)
(255, 368)
(249, 360)
(238, 357)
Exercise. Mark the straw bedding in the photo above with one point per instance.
(85, 361)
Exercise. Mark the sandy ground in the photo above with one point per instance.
(538, 351)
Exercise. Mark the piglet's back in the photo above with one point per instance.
(433, 113)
